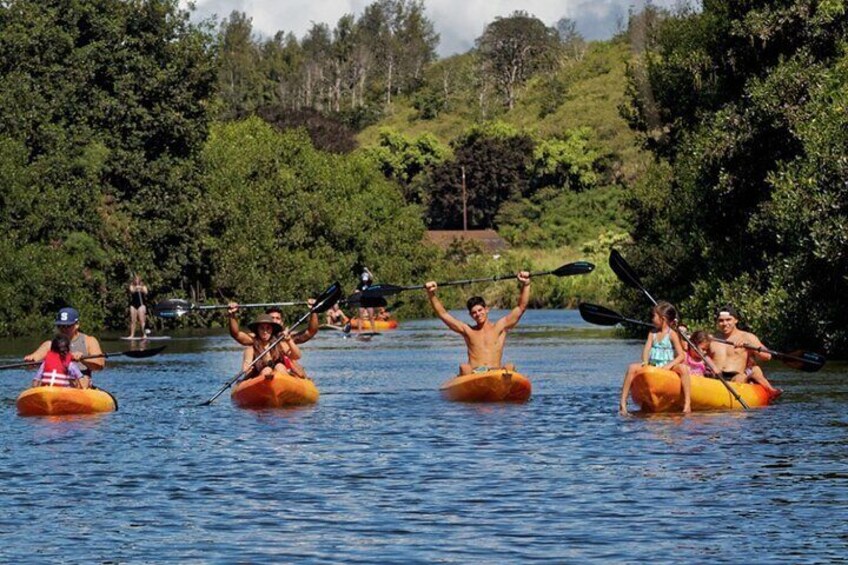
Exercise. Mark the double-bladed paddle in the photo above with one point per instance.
(132, 353)
(807, 361)
(576, 268)
(322, 303)
(626, 275)
(177, 307)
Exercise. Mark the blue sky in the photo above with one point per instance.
(458, 22)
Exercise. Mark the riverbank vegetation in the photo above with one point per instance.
(220, 164)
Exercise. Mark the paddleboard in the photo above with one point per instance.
(147, 338)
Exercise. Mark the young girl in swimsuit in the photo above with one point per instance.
(662, 349)
(694, 364)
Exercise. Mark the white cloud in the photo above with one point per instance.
(458, 22)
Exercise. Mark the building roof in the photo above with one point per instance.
(489, 240)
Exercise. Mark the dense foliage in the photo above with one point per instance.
(103, 106)
(743, 104)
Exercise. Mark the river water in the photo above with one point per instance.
(383, 469)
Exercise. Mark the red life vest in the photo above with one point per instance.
(55, 371)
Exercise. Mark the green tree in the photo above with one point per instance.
(103, 107)
(515, 48)
(497, 161)
(404, 160)
(747, 200)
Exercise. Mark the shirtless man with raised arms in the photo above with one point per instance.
(485, 340)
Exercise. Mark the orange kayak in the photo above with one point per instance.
(378, 324)
(659, 390)
(279, 391)
(498, 385)
(59, 400)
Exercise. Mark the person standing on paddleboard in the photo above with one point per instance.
(736, 358)
(138, 311)
(366, 279)
(82, 345)
(485, 339)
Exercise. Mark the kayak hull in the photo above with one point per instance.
(497, 385)
(355, 323)
(659, 390)
(61, 401)
(278, 392)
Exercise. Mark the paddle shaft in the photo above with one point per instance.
(625, 270)
(470, 281)
(97, 356)
(259, 305)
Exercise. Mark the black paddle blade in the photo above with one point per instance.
(576, 268)
(172, 308)
(623, 271)
(380, 290)
(806, 361)
(144, 353)
(599, 315)
(352, 300)
(326, 299)
(373, 302)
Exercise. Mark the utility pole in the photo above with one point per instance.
(464, 203)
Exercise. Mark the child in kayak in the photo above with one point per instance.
(58, 368)
(693, 364)
(662, 349)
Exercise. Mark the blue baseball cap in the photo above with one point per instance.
(67, 317)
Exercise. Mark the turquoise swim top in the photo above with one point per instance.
(662, 351)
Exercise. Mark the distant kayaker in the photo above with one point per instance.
(662, 349)
(485, 339)
(280, 358)
(138, 310)
(737, 358)
(366, 279)
(82, 345)
(58, 367)
(336, 316)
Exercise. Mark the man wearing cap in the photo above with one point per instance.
(82, 345)
(736, 358)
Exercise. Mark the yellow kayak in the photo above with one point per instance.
(58, 400)
(379, 325)
(659, 390)
(498, 385)
(278, 391)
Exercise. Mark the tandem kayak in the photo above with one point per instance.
(277, 392)
(59, 401)
(659, 390)
(498, 385)
(378, 324)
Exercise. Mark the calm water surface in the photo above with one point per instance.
(383, 469)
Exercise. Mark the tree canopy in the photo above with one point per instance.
(744, 106)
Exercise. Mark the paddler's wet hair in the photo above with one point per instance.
(274, 309)
(666, 311)
(475, 301)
